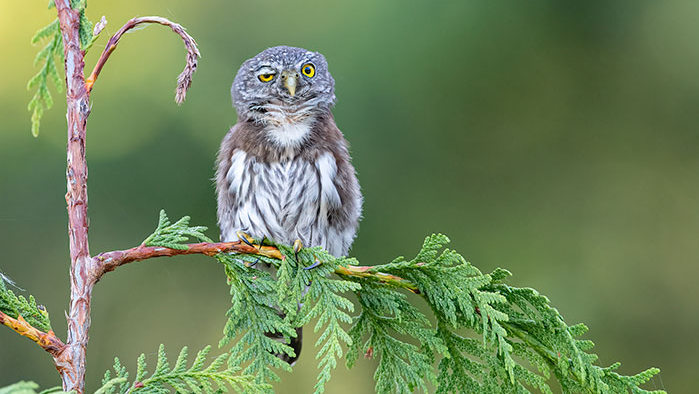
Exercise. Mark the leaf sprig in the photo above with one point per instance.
(304, 278)
(12, 305)
(198, 378)
(523, 339)
(29, 388)
(386, 319)
(49, 57)
(253, 315)
(174, 235)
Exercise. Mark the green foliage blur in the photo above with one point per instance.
(557, 139)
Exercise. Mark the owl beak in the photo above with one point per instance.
(290, 79)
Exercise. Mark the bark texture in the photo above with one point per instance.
(71, 361)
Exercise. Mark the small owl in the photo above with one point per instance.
(284, 170)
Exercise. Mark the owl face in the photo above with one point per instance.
(283, 79)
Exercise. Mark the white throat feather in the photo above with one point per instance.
(289, 134)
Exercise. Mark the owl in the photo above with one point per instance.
(284, 169)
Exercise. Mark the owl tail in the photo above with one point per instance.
(295, 344)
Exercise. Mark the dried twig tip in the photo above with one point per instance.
(184, 80)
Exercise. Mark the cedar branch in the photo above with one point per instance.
(71, 362)
(109, 261)
(184, 80)
(47, 340)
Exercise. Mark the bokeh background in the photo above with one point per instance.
(556, 139)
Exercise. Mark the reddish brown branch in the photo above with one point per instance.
(184, 80)
(109, 261)
(47, 340)
(71, 361)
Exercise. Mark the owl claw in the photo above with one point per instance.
(314, 265)
(245, 238)
(262, 242)
(298, 245)
(253, 263)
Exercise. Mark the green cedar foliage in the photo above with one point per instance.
(387, 318)
(304, 278)
(251, 316)
(521, 339)
(47, 57)
(28, 388)
(263, 304)
(173, 235)
(85, 30)
(483, 335)
(51, 57)
(14, 306)
(199, 378)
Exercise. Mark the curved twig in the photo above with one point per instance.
(184, 80)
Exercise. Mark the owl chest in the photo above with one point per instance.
(284, 192)
(283, 200)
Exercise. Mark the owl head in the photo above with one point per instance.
(283, 79)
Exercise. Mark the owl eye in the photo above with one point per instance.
(308, 70)
(266, 77)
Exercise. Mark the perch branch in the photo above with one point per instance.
(184, 80)
(47, 340)
(108, 261)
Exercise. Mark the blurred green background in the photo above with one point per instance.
(556, 139)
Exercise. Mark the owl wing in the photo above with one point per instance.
(227, 199)
(343, 217)
(333, 225)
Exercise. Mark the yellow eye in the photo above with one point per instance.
(266, 77)
(308, 70)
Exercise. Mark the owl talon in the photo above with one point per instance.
(245, 238)
(253, 263)
(314, 265)
(298, 245)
